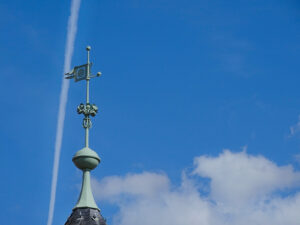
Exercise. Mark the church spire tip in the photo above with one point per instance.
(85, 159)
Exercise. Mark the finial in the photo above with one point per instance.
(85, 159)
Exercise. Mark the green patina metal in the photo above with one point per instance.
(85, 159)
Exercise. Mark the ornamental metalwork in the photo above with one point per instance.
(83, 72)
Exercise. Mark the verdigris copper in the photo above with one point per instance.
(86, 211)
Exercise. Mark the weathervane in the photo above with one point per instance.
(85, 159)
(83, 73)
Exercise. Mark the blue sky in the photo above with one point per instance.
(181, 80)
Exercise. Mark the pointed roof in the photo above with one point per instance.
(85, 216)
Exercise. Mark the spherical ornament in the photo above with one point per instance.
(86, 159)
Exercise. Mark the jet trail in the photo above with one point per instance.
(71, 34)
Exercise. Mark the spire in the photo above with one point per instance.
(85, 159)
(86, 211)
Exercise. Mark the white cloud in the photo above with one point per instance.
(243, 190)
(144, 184)
(238, 178)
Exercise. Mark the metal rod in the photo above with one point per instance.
(87, 93)
(88, 76)
(87, 137)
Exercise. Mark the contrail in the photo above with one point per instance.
(71, 33)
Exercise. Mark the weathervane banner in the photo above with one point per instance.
(79, 72)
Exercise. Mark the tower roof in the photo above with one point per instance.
(85, 216)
